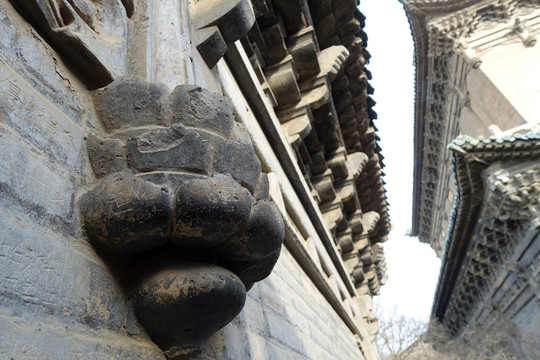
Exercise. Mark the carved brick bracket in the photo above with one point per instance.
(89, 35)
(310, 62)
(180, 210)
(216, 27)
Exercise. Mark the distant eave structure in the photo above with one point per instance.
(418, 12)
(492, 211)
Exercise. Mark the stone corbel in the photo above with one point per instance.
(355, 222)
(327, 126)
(324, 184)
(356, 163)
(358, 275)
(337, 162)
(311, 91)
(297, 127)
(345, 242)
(380, 263)
(283, 80)
(216, 27)
(373, 281)
(274, 39)
(346, 192)
(293, 14)
(318, 162)
(180, 210)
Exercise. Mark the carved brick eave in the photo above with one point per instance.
(463, 226)
(471, 157)
(360, 104)
(323, 120)
(439, 7)
(418, 12)
(417, 28)
(337, 123)
(462, 14)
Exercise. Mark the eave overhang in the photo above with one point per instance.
(470, 158)
(418, 14)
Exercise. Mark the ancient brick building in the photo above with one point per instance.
(188, 180)
(477, 146)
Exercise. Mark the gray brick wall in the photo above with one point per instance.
(285, 317)
(57, 298)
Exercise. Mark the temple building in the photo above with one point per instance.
(188, 179)
(477, 160)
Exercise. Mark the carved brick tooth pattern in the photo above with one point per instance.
(181, 196)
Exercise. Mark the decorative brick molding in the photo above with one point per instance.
(180, 209)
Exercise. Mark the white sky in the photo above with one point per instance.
(413, 267)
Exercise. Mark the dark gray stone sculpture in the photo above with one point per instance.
(181, 211)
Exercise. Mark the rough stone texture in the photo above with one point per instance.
(127, 214)
(192, 106)
(171, 148)
(130, 103)
(212, 297)
(92, 36)
(208, 212)
(262, 237)
(106, 155)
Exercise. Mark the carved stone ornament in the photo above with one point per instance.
(90, 35)
(180, 211)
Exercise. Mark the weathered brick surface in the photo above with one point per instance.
(285, 317)
(56, 297)
(58, 300)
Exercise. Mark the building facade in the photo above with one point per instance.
(477, 160)
(188, 180)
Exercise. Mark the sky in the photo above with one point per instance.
(413, 267)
